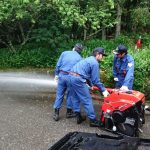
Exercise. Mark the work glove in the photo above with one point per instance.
(124, 88)
(56, 78)
(89, 87)
(105, 93)
(116, 79)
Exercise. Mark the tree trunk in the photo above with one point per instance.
(85, 34)
(10, 46)
(118, 19)
(103, 34)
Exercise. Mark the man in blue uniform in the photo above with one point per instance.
(66, 61)
(123, 68)
(83, 71)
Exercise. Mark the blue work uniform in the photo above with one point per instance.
(66, 61)
(86, 69)
(123, 69)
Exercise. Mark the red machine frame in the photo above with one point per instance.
(119, 102)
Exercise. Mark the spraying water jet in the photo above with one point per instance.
(23, 83)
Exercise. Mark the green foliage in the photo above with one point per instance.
(89, 16)
(142, 69)
(17, 19)
(49, 30)
(53, 21)
(140, 18)
(38, 56)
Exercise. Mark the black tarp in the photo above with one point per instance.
(92, 141)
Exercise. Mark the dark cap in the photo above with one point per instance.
(100, 50)
(79, 46)
(120, 49)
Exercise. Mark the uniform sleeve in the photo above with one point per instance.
(95, 78)
(130, 73)
(58, 65)
(114, 68)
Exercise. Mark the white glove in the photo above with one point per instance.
(116, 79)
(56, 78)
(124, 88)
(89, 86)
(105, 93)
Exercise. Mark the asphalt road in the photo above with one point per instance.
(26, 117)
(27, 124)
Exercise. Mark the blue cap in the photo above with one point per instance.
(100, 50)
(120, 49)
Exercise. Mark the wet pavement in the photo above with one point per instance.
(26, 115)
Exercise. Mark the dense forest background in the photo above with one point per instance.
(33, 33)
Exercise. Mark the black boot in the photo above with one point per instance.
(70, 113)
(94, 123)
(80, 118)
(56, 115)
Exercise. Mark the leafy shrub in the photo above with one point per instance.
(38, 58)
(43, 57)
(142, 69)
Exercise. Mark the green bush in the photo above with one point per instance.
(36, 56)
(142, 69)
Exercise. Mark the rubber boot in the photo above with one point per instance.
(94, 123)
(80, 118)
(70, 113)
(56, 115)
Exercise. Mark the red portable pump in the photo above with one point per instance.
(123, 112)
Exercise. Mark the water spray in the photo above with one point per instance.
(27, 82)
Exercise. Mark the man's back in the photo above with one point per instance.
(89, 70)
(85, 67)
(67, 60)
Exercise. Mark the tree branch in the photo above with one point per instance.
(88, 37)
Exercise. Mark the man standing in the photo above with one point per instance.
(123, 68)
(66, 61)
(83, 71)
